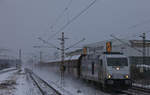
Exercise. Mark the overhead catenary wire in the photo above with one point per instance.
(46, 42)
(126, 43)
(42, 46)
(137, 34)
(53, 46)
(134, 34)
(142, 23)
(71, 46)
(61, 15)
(73, 19)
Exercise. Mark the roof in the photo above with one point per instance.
(116, 55)
(75, 57)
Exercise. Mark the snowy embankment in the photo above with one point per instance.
(6, 69)
(6, 75)
(71, 84)
(25, 86)
(16, 83)
(7, 83)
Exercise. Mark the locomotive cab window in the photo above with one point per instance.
(117, 62)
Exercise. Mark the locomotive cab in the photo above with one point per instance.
(115, 70)
(107, 69)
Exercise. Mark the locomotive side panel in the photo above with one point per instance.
(89, 68)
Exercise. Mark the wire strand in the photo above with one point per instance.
(139, 24)
(73, 19)
(61, 15)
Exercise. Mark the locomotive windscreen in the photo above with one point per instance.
(117, 62)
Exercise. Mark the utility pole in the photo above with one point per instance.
(62, 57)
(20, 55)
(62, 66)
(62, 49)
(144, 49)
(20, 59)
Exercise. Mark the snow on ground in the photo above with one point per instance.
(25, 86)
(16, 83)
(4, 76)
(71, 84)
(7, 83)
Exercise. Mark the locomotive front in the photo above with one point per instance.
(117, 71)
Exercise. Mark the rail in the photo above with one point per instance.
(137, 91)
(43, 86)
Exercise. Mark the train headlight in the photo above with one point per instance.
(109, 76)
(117, 68)
(126, 76)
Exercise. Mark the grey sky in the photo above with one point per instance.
(22, 21)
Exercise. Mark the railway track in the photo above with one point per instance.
(137, 91)
(45, 88)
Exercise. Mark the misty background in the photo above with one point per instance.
(23, 21)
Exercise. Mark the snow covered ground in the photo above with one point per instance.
(7, 83)
(18, 83)
(25, 86)
(15, 83)
(73, 85)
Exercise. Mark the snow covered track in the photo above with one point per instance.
(137, 91)
(43, 86)
(7, 70)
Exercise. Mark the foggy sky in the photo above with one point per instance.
(22, 21)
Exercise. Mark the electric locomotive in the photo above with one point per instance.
(108, 69)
